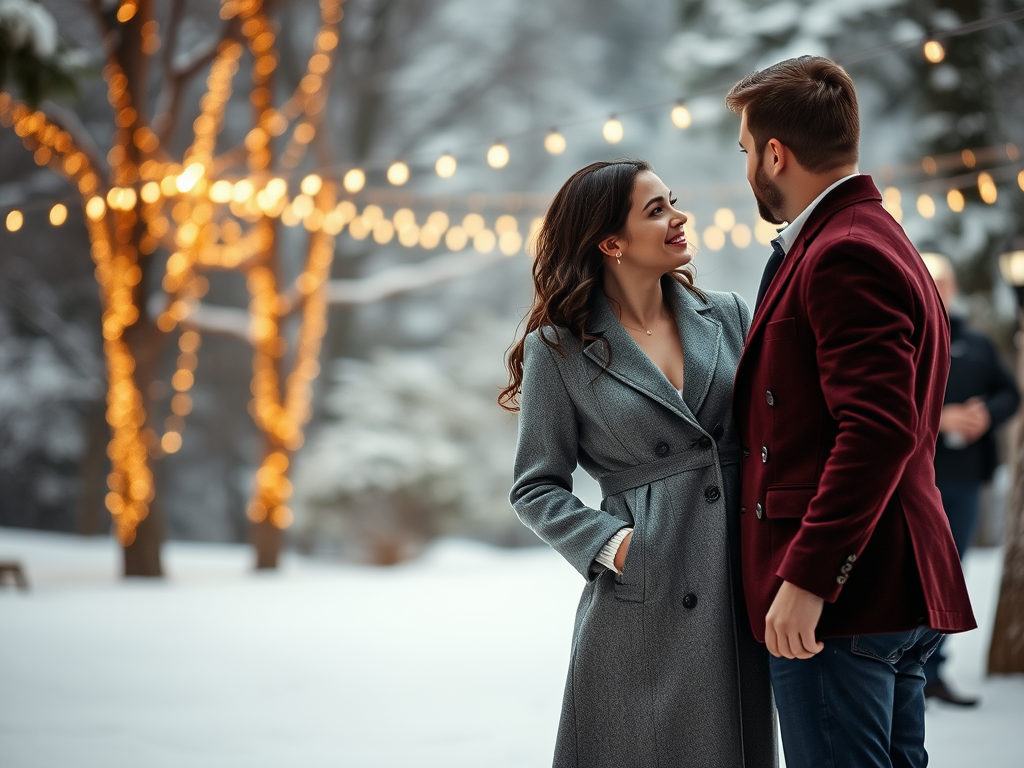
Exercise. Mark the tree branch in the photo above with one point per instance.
(180, 72)
(387, 284)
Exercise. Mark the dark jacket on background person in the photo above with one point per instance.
(975, 370)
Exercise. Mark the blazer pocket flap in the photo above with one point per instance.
(780, 329)
(788, 501)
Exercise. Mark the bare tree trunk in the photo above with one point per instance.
(142, 556)
(267, 540)
(1006, 653)
(93, 471)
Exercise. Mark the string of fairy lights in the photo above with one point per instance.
(208, 219)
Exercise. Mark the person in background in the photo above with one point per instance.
(980, 396)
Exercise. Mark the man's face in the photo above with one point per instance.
(767, 194)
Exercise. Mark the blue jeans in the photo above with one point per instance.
(961, 502)
(857, 704)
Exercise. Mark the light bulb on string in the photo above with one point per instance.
(497, 155)
(955, 200)
(613, 130)
(681, 117)
(554, 142)
(311, 184)
(987, 189)
(446, 166)
(398, 173)
(14, 220)
(58, 214)
(926, 206)
(354, 180)
(934, 52)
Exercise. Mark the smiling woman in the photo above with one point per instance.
(661, 646)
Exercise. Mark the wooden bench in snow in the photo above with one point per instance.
(13, 569)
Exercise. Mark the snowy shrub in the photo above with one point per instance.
(30, 54)
(414, 446)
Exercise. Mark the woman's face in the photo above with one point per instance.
(653, 238)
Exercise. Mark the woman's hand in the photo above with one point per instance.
(620, 554)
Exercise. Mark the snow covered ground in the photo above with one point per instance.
(455, 660)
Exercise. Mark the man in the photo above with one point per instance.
(981, 395)
(849, 569)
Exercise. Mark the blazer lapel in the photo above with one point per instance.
(856, 190)
(700, 334)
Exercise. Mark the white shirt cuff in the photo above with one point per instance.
(606, 556)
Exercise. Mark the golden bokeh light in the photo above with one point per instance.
(446, 166)
(613, 131)
(58, 214)
(398, 173)
(681, 117)
(554, 143)
(354, 180)
(498, 156)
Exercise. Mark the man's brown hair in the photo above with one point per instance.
(809, 104)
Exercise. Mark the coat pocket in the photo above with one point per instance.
(780, 329)
(788, 501)
(629, 585)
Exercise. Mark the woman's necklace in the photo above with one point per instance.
(645, 329)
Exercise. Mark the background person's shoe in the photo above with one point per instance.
(937, 689)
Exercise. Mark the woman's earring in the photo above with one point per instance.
(618, 258)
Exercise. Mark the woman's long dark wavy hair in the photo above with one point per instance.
(569, 267)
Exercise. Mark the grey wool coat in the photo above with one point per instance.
(664, 671)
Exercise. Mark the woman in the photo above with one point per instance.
(627, 369)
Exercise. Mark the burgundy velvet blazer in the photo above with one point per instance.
(837, 401)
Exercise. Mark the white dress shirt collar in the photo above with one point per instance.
(789, 235)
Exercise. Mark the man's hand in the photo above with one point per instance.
(620, 553)
(789, 626)
(971, 419)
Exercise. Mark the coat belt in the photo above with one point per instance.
(644, 474)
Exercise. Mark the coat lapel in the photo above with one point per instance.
(856, 190)
(701, 335)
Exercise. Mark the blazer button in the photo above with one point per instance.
(764, 454)
(769, 397)
(662, 449)
(712, 494)
(759, 510)
(840, 580)
(704, 442)
(690, 601)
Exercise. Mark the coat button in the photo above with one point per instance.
(704, 442)
(712, 494)
(759, 510)
(769, 397)
(764, 454)
(690, 601)
(662, 449)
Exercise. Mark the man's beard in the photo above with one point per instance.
(768, 196)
